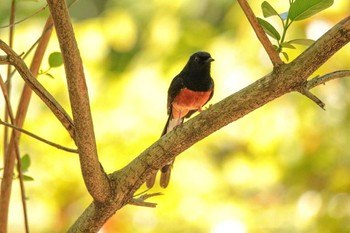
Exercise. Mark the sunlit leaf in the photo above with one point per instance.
(275, 47)
(268, 10)
(50, 75)
(285, 55)
(305, 42)
(269, 29)
(287, 45)
(302, 9)
(27, 178)
(55, 59)
(25, 162)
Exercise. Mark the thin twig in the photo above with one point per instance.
(259, 31)
(23, 192)
(8, 87)
(140, 201)
(318, 80)
(39, 138)
(24, 19)
(327, 77)
(7, 100)
(312, 97)
(48, 28)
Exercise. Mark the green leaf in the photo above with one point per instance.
(25, 162)
(268, 10)
(302, 9)
(287, 45)
(305, 42)
(27, 178)
(275, 47)
(285, 55)
(49, 75)
(55, 59)
(269, 29)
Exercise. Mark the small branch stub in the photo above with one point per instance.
(312, 97)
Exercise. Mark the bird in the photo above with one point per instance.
(188, 92)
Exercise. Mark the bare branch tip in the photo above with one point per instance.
(138, 202)
(312, 97)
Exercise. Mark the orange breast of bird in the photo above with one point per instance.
(188, 100)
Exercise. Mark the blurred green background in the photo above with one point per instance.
(283, 168)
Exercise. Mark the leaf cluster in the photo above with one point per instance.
(298, 10)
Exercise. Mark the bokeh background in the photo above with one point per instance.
(283, 168)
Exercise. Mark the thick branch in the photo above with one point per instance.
(259, 31)
(95, 178)
(284, 79)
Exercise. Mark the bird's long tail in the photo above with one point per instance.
(166, 170)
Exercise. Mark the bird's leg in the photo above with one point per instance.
(206, 108)
(179, 121)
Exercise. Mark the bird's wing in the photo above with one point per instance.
(175, 87)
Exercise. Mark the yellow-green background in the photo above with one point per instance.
(283, 168)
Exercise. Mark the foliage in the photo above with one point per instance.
(298, 10)
(55, 60)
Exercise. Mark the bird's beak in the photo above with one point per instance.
(210, 59)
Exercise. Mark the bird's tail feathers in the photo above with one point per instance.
(151, 180)
(166, 170)
(165, 175)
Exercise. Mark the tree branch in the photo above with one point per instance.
(318, 80)
(321, 80)
(95, 178)
(12, 150)
(29, 78)
(38, 138)
(303, 90)
(259, 31)
(282, 80)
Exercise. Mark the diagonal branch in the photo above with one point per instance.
(305, 89)
(95, 178)
(45, 96)
(327, 77)
(259, 31)
(282, 80)
(38, 138)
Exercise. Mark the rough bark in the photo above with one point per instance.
(95, 178)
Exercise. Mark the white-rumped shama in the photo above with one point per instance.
(192, 88)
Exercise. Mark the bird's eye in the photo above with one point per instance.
(196, 59)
